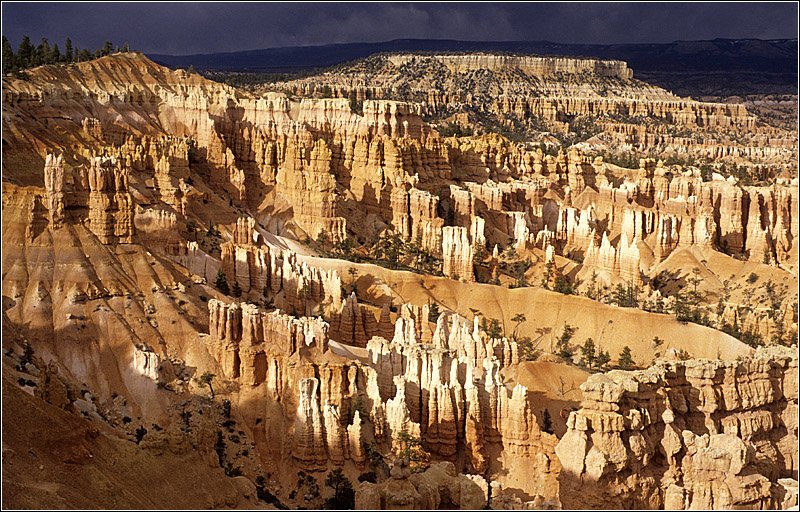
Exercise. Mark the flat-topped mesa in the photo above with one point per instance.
(531, 90)
(696, 434)
(531, 65)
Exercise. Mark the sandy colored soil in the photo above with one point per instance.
(555, 386)
(610, 327)
(53, 459)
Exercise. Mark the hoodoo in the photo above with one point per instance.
(415, 280)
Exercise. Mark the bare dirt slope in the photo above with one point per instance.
(54, 459)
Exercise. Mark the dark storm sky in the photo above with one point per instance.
(183, 28)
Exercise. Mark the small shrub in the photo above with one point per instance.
(221, 283)
(140, 433)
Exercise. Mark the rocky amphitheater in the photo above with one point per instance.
(224, 298)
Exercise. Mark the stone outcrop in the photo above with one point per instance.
(54, 185)
(450, 392)
(457, 253)
(260, 270)
(110, 204)
(697, 434)
(101, 187)
(438, 487)
(309, 443)
(242, 335)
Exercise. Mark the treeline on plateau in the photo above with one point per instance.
(30, 56)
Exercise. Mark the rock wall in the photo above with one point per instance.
(694, 434)
(262, 271)
(537, 66)
(241, 336)
(438, 487)
(449, 391)
(457, 254)
(110, 204)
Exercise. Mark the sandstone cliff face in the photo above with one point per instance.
(281, 362)
(102, 188)
(444, 387)
(538, 66)
(239, 334)
(457, 253)
(449, 390)
(263, 271)
(54, 185)
(684, 435)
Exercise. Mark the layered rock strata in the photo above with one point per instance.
(697, 434)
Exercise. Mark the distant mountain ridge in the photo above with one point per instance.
(725, 55)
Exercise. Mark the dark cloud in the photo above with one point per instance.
(182, 28)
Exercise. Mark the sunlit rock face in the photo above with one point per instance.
(685, 435)
(171, 241)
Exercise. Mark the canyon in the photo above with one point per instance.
(267, 287)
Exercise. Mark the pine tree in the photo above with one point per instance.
(222, 283)
(588, 355)
(108, 47)
(518, 320)
(681, 307)
(626, 359)
(564, 349)
(592, 290)
(344, 495)
(8, 57)
(55, 55)
(43, 52)
(68, 50)
(25, 53)
(433, 312)
(125, 48)
(237, 290)
(603, 358)
(205, 380)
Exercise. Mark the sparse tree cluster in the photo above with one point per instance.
(29, 55)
